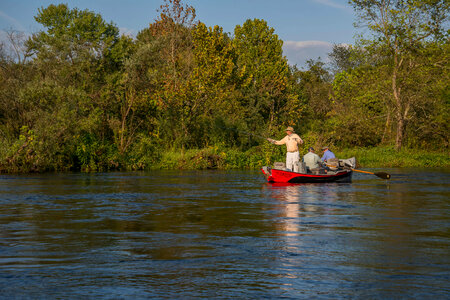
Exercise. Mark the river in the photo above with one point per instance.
(224, 234)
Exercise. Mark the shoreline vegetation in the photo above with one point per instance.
(227, 159)
(380, 157)
(80, 96)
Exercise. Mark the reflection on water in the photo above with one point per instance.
(223, 234)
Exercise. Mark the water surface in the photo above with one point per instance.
(218, 234)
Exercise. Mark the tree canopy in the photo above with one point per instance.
(78, 95)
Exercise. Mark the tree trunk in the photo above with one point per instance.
(125, 111)
(387, 128)
(400, 133)
(398, 101)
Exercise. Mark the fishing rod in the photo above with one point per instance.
(244, 132)
(252, 134)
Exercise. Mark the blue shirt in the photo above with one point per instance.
(327, 155)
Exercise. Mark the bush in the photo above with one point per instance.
(388, 157)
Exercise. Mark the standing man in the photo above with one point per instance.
(327, 154)
(292, 140)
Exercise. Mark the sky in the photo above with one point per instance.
(308, 28)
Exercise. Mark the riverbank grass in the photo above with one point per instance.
(215, 158)
(388, 157)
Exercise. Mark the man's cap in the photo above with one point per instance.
(326, 147)
(311, 149)
(290, 129)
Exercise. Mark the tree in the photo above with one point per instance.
(260, 57)
(75, 57)
(15, 72)
(358, 108)
(399, 28)
(214, 80)
(173, 23)
(14, 50)
(346, 57)
(429, 123)
(75, 45)
(316, 84)
(169, 42)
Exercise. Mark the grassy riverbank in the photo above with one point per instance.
(380, 157)
(388, 157)
(223, 158)
(215, 158)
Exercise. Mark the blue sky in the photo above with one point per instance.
(308, 28)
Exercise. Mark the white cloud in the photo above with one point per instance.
(298, 52)
(306, 44)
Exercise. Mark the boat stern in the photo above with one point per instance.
(267, 171)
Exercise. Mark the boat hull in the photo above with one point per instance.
(274, 175)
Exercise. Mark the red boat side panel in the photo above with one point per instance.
(292, 177)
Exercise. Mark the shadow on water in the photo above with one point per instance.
(223, 234)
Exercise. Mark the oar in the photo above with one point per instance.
(382, 175)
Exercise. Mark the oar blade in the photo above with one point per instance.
(383, 175)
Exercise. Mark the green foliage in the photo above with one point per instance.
(316, 88)
(144, 154)
(21, 155)
(389, 157)
(358, 109)
(72, 34)
(93, 155)
(219, 158)
(184, 95)
(401, 30)
(267, 95)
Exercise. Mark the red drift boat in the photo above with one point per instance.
(341, 173)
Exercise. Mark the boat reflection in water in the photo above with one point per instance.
(300, 204)
(299, 209)
(290, 208)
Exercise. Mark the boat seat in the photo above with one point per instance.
(318, 171)
(279, 166)
(333, 164)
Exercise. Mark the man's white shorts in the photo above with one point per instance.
(291, 158)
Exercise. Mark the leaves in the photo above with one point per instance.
(401, 29)
(77, 95)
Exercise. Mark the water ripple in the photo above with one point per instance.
(214, 234)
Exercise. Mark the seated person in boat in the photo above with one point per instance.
(312, 160)
(327, 154)
(292, 140)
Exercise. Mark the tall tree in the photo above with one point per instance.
(15, 72)
(399, 28)
(75, 45)
(171, 35)
(76, 56)
(173, 26)
(345, 57)
(358, 107)
(260, 56)
(214, 79)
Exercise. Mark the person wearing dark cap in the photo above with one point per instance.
(292, 140)
(327, 154)
(311, 159)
